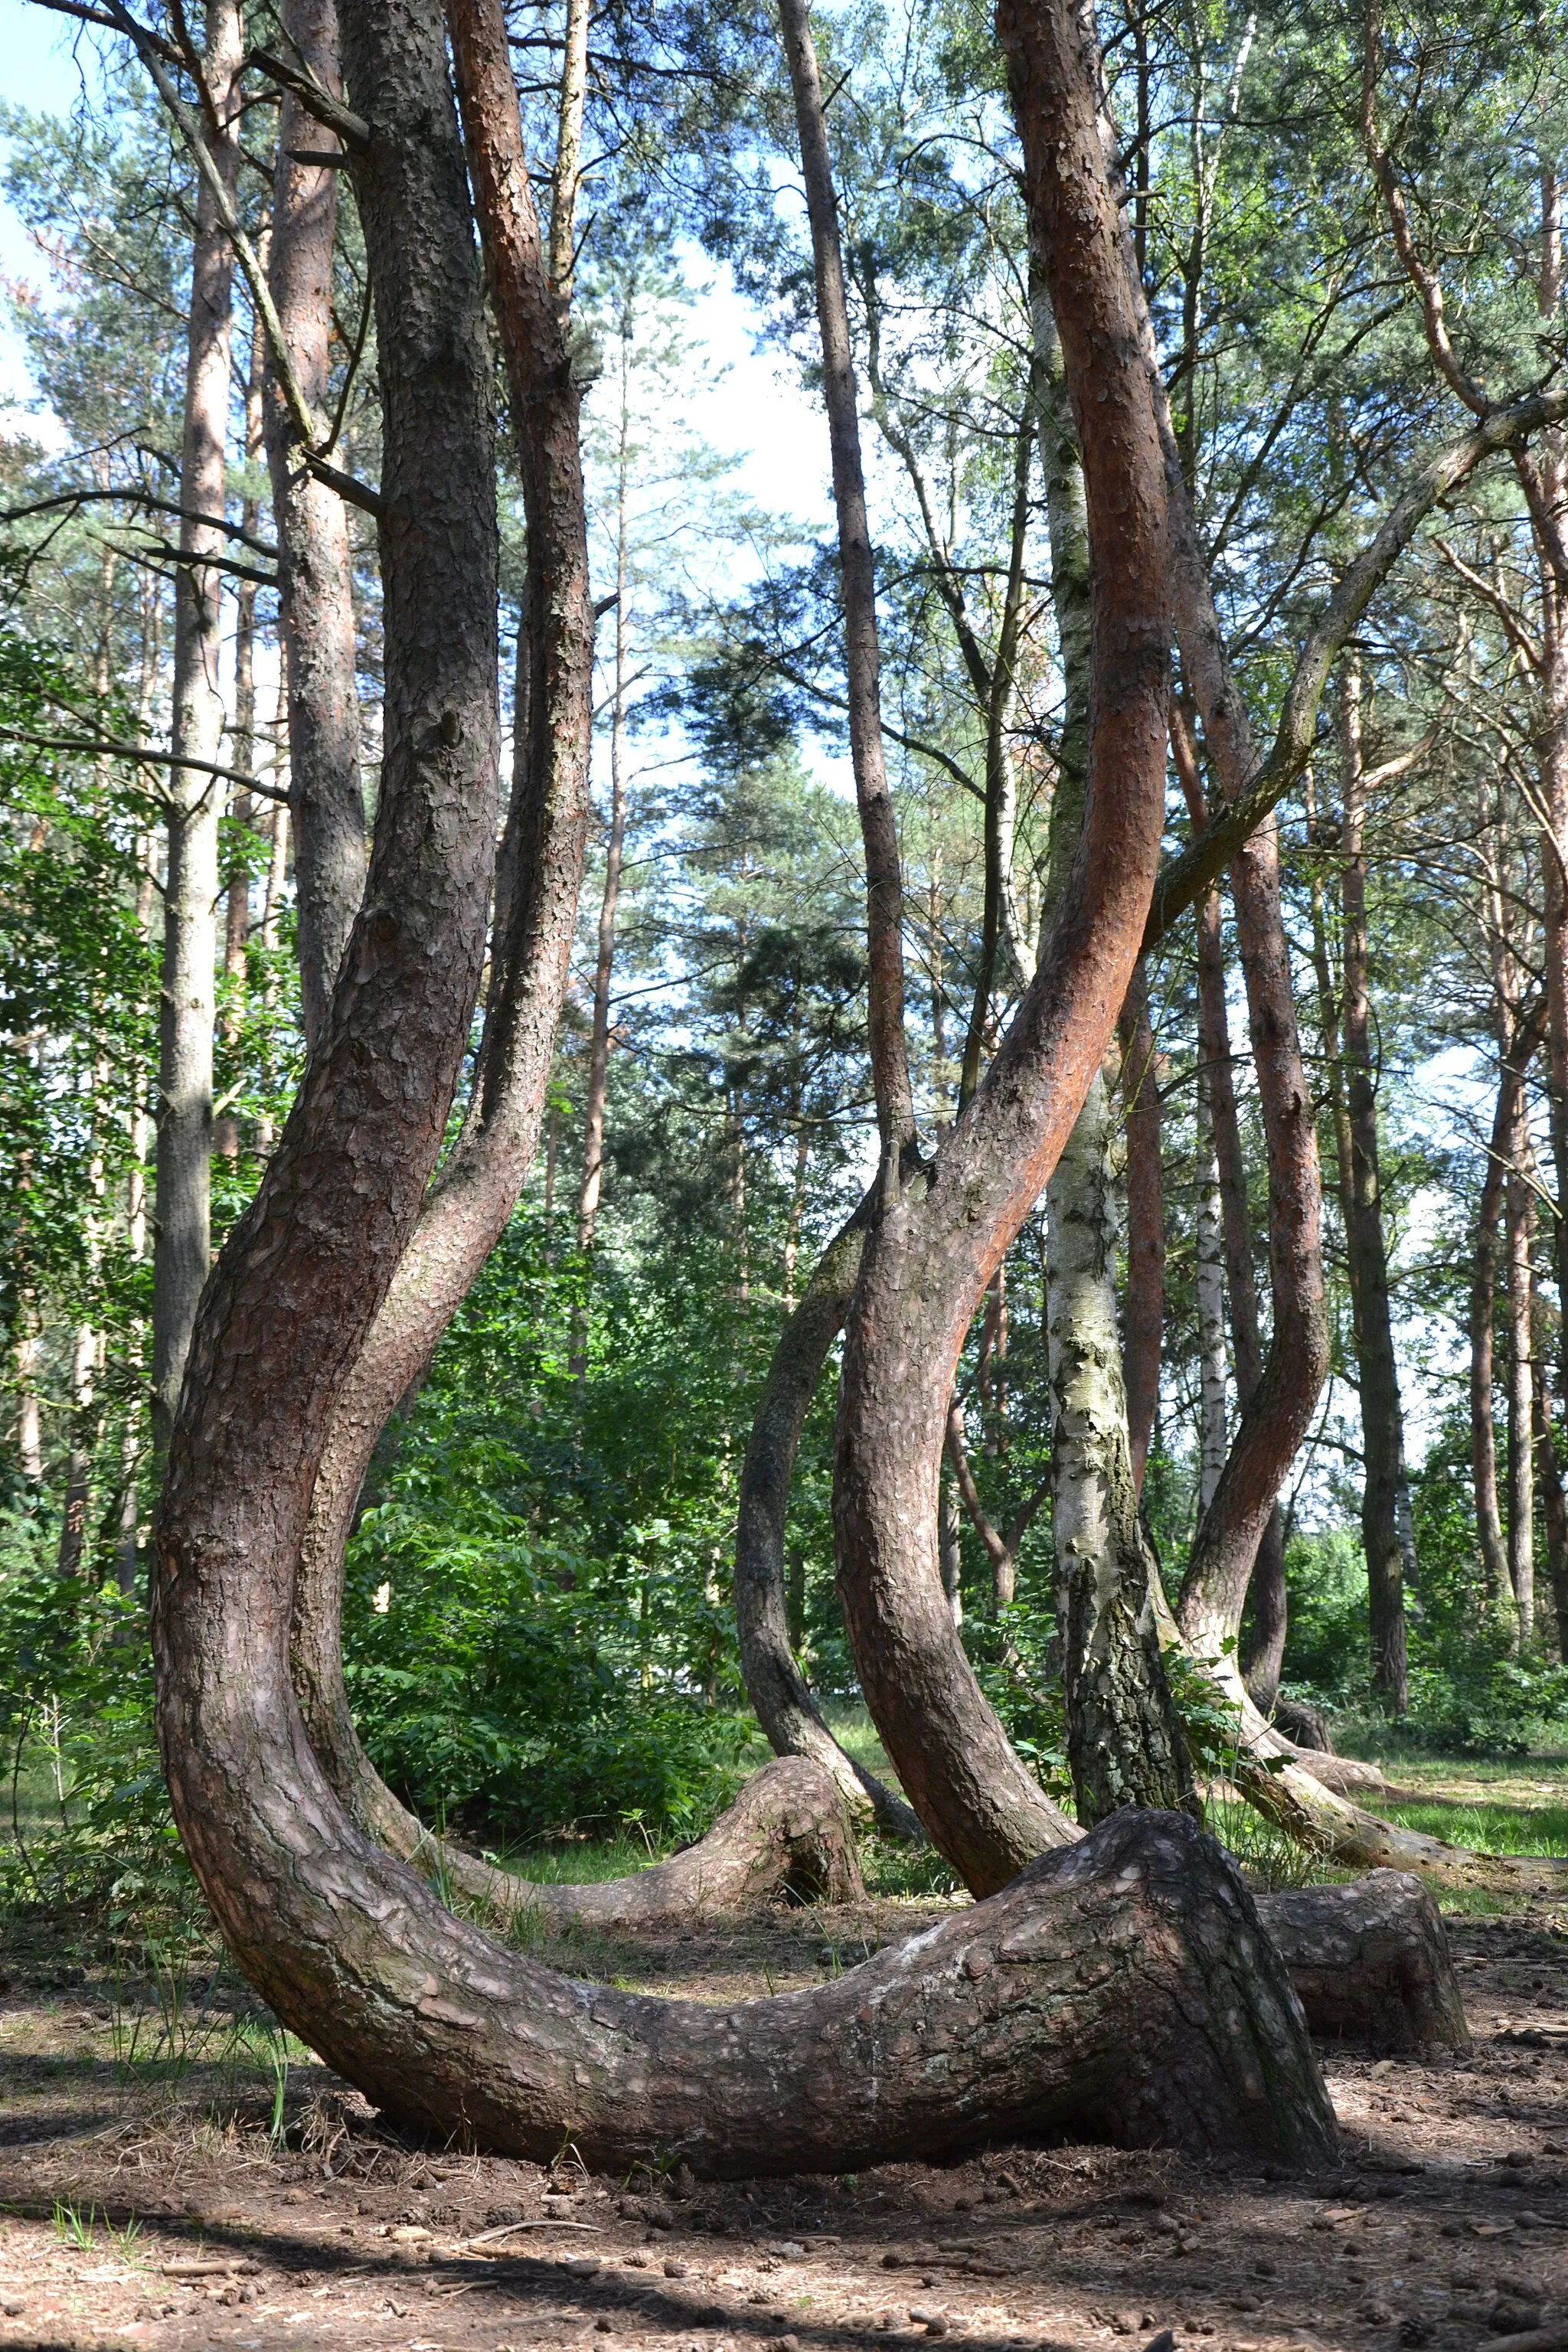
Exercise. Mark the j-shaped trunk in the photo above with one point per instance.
(1028, 1998)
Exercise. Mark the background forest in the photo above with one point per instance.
(1343, 230)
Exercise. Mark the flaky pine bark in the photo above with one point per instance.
(315, 579)
(983, 1809)
(187, 995)
(538, 884)
(884, 880)
(1386, 1532)
(1145, 1314)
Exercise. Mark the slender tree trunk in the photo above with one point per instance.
(1519, 1217)
(182, 1248)
(796, 1207)
(1551, 1495)
(565, 177)
(1209, 1248)
(1263, 1652)
(315, 588)
(1551, 461)
(884, 881)
(29, 1418)
(81, 1425)
(599, 1043)
(1483, 1309)
(1145, 1312)
(237, 877)
(1386, 1533)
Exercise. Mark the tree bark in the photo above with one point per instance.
(1551, 749)
(1279, 1408)
(604, 965)
(1554, 1512)
(884, 880)
(1146, 1308)
(539, 877)
(315, 576)
(1209, 1248)
(983, 1809)
(188, 993)
(1387, 1529)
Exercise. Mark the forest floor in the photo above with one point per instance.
(172, 2174)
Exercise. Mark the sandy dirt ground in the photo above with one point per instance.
(144, 2202)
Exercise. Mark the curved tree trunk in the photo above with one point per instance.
(1027, 1997)
(315, 580)
(786, 1832)
(777, 1689)
(539, 877)
(928, 1262)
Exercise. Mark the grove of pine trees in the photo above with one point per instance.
(640, 1127)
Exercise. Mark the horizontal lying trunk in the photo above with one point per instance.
(1370, 1962)
(785, 1832)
